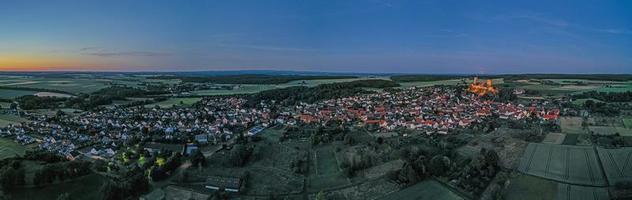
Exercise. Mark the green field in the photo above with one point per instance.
(428, 189)
(326, 173)
(616, 164)
(9, 148)
(83, 188)
(175, 101)
(627, 122)
(5, 120)
(564, 163)
(572, 125)
(582, 101)
(241, 89)
(254, 88)
(10, 94)
(526, 187)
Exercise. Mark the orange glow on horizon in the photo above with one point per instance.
(44, 63)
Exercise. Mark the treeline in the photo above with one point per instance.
(594, 77)
(35, 89)
(513, 77)
(293, 95)
(249, 78)
(606, 96)
(425, 77)
(104, 96)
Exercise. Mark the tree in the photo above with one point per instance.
(11, 178)
(320, 195)
(64, 196)
(198, 159)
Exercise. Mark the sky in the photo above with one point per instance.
(373, 36)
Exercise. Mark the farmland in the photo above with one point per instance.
(187, 101)
(572, 125)
(616, 164)
(627, 122)
(11, 93)
(5, 120)
(569, 164)
(326, 173)
(428, 189)
(77, 189)
(525, 187)
(8, 148)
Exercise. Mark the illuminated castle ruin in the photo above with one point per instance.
(482, 88)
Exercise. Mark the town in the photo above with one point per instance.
(467, 135)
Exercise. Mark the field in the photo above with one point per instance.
(326, 173)
(77, 83)
(443, 82)
(603, 130)
(175, 101)
(241, 89)
(525, 187)
(616, 164)
(572, 192)
(554, 138)
(8, 148)
(10, 94)
(627, 122)
(572, 125)
(428, 189)
(254, 88)
(5, 120)
(568, 164)
(83, 188)
(582, 101)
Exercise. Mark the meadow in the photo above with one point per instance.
(564, 163)
(11, 93)
(616, 164)
(186, 101)
(526, 187)
(428, 189)
(9, 148)
(83, 188)
(6, 119)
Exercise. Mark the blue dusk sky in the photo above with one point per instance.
(375, 36)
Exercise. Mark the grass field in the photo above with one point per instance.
(627, 122)
(83, 188)
(10, 94)
(5, 120)
(252, 88)
(582, 101)
(241, 89)
(175, 101)
(428, 189)
(526, 187)
(567, 164)
(9, 148)
(572, 192)
(572, 125)
(616, 164)
(325, 173)
(603, 130)
(443, 82)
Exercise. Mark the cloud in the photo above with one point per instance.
(534, 17)
(129, 53)
(614, 31)
(102, 52)
(264, 47)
